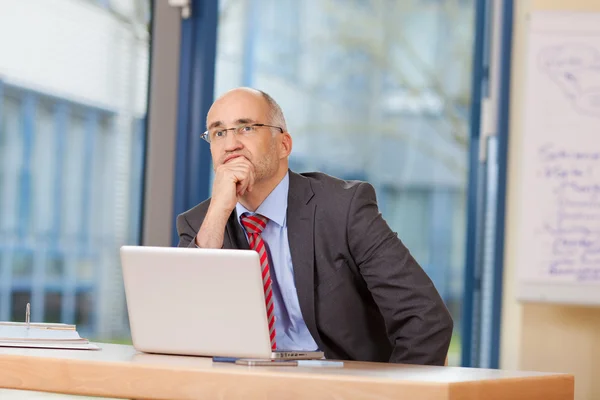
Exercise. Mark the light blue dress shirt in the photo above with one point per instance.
(290, 328)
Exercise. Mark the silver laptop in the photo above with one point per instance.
(203, 302)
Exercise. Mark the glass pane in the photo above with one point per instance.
(11, 148)
(42, 180)
(371, 90)
(22, 265)
(19, 300)
(73, 179)
(85, 269)
(73, 90)
(52, 307)
(55, 267)
(83, 314)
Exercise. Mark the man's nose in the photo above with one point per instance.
(232, 142)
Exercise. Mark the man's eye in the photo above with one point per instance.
(219, 134)
(247, 129)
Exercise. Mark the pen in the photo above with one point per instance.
(224, 359)
(27, 314)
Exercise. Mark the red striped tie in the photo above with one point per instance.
(254, 225)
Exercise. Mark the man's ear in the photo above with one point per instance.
(286, 145)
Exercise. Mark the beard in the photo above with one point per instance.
(266, 166)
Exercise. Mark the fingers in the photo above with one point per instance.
(250, 178)
(242, 183)
(251, 181)
(245, 182)
(240, 172)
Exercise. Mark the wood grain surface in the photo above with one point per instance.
(122, 372)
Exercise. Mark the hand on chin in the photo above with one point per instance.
(234, 157)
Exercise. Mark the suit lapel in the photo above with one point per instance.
(300, 228)
(234, 237)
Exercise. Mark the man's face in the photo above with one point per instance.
(238, 108)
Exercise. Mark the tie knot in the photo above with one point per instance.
(254, 224)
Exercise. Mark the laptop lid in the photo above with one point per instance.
(206, 302)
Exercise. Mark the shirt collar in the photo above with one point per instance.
(274, 207)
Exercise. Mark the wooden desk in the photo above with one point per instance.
(120, 371)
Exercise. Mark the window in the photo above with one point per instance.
(277, 36)
(23, 265)
(60, 158)
(379, 93)
(52, 306)
(71, 148)
(12, 150)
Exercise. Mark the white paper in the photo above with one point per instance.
(22, 332)
(37, 337)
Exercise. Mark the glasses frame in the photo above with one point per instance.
(205, 135)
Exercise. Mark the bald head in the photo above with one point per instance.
(250, 99)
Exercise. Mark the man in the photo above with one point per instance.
(340, 280)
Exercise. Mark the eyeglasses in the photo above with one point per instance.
(219, 134)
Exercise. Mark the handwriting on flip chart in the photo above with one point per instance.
(571, 230)
(575, 68)
(556, 192)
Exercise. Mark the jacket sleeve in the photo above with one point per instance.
(418, 323)
(186, 233)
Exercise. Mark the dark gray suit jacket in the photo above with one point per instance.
(361, 293)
